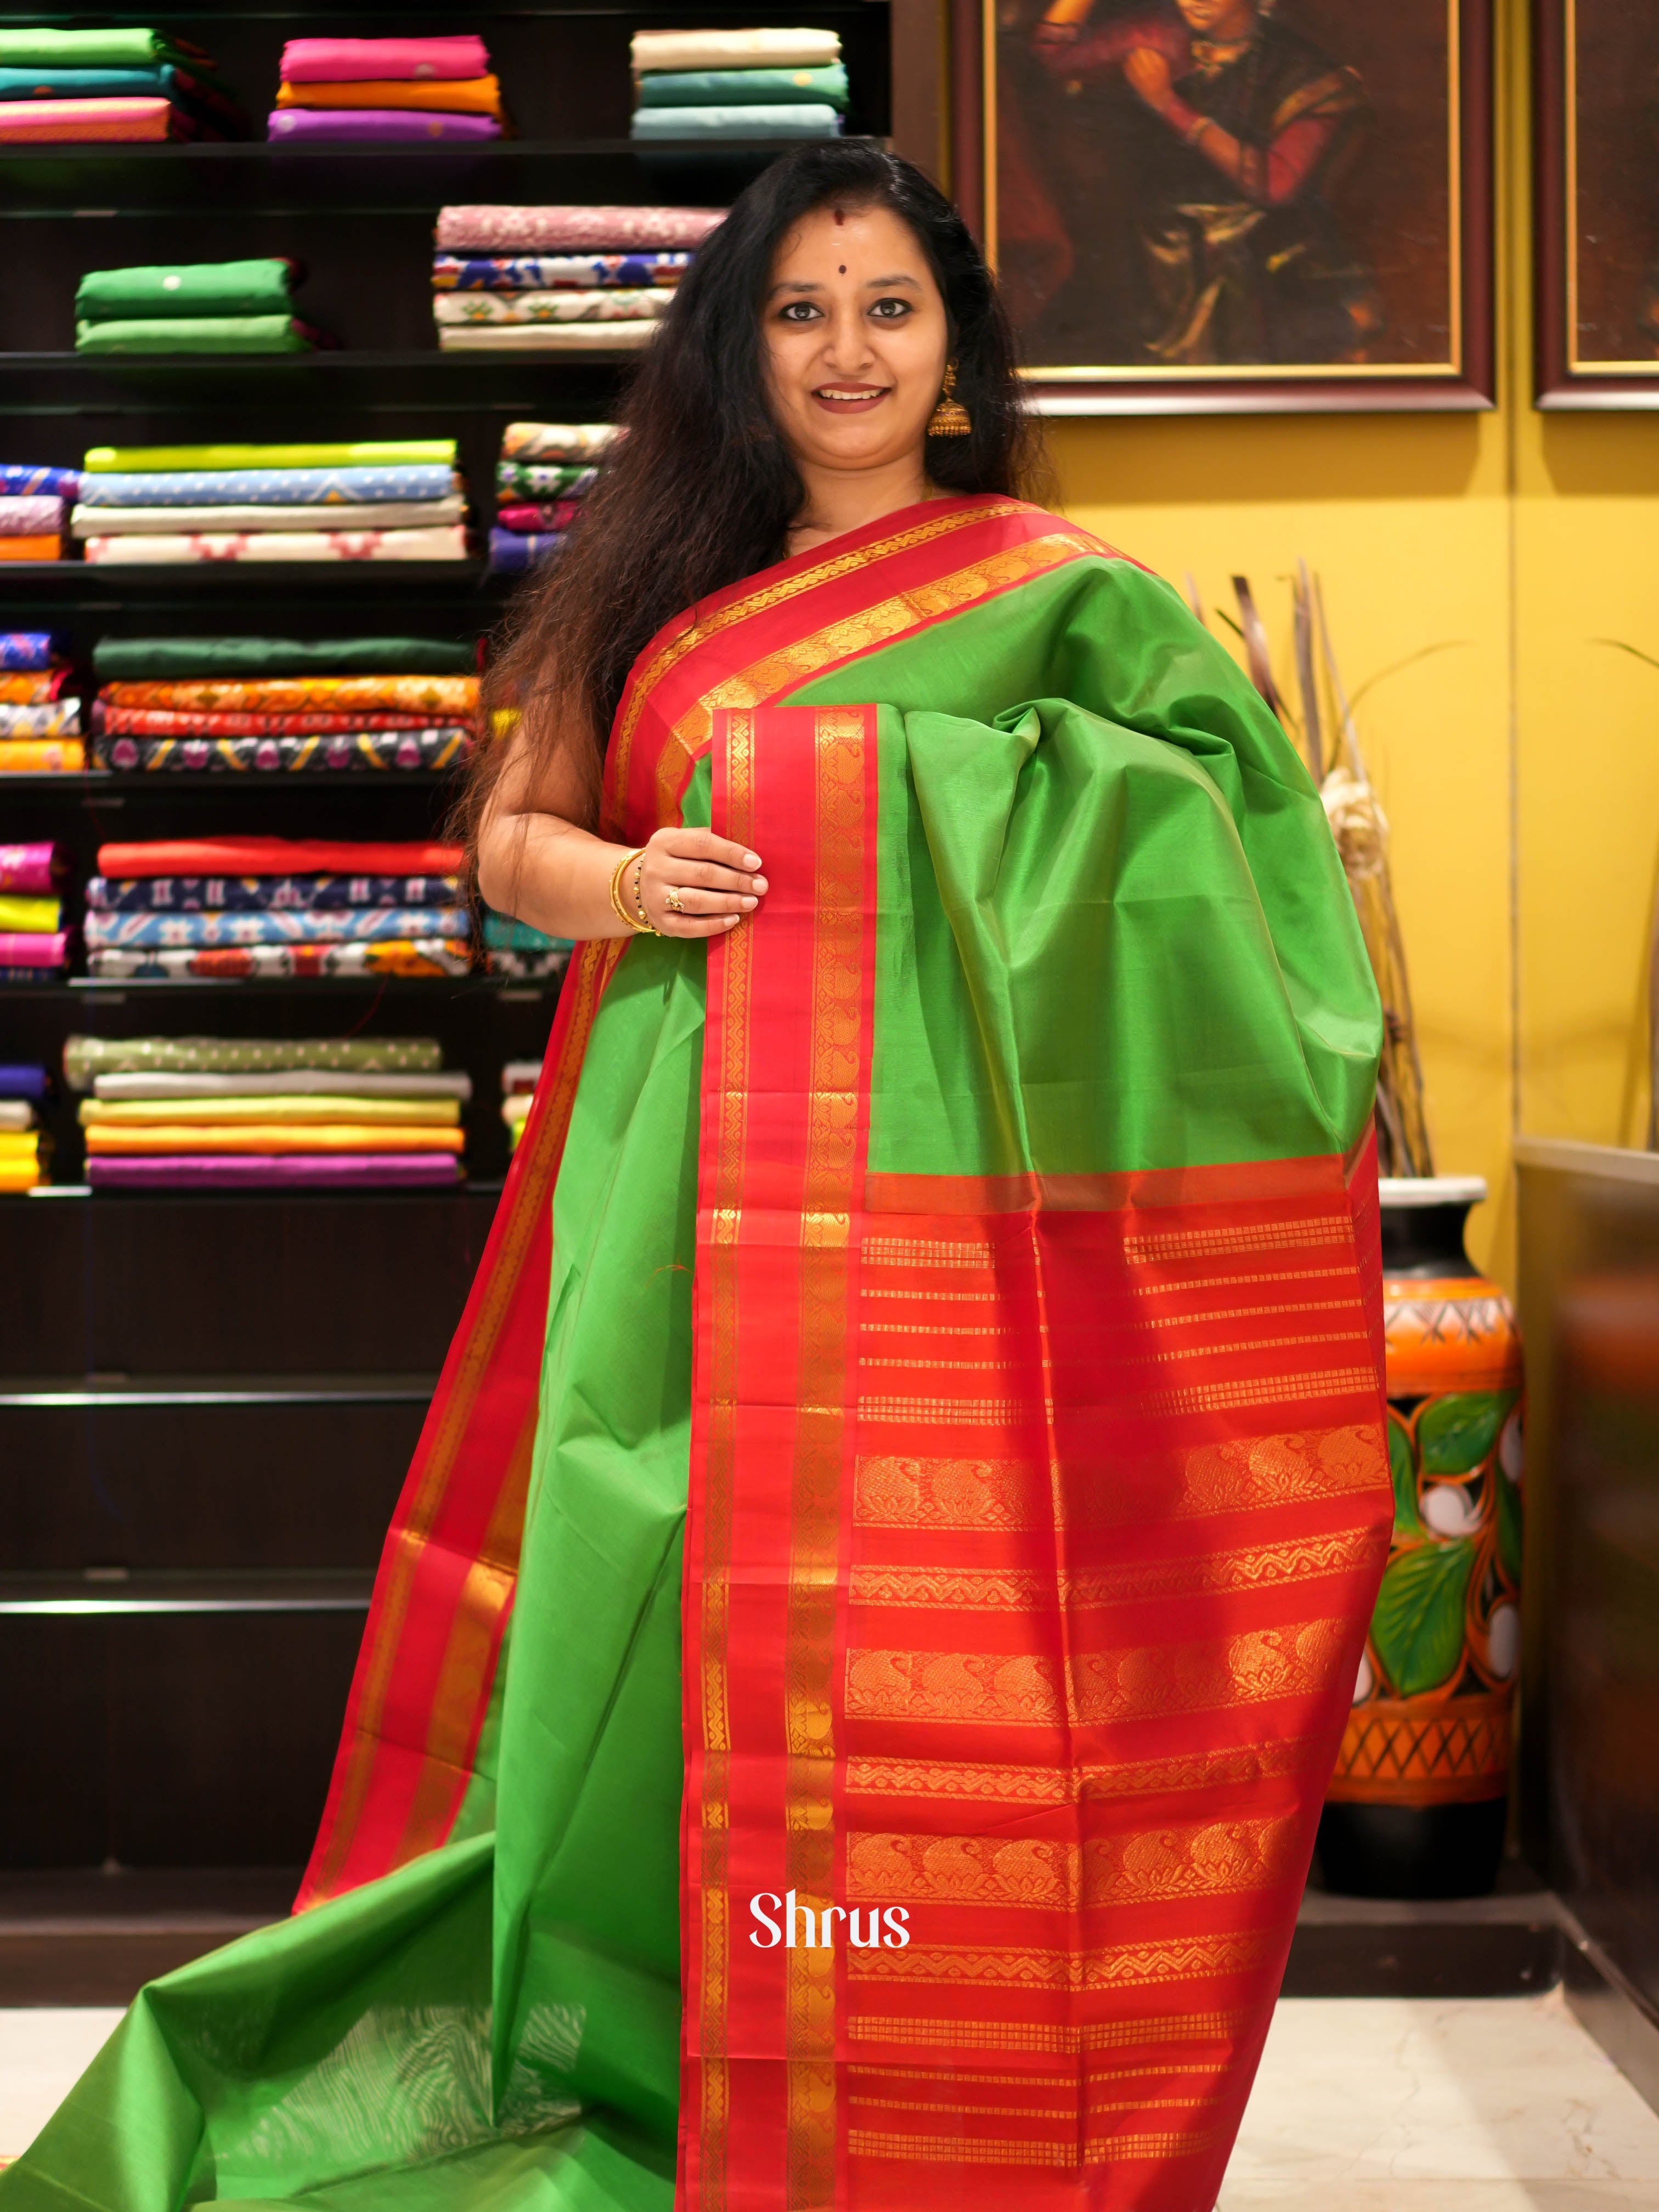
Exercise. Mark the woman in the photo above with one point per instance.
(923, 1384)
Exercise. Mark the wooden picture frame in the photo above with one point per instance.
(1377, 198)
(1596, 121)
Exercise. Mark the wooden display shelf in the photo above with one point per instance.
(77, 384)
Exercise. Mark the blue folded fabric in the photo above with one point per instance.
(267, 487)
(520, 548)
(757, 122)
(502, 935)
(24, 479)
(88, 83)
(365, 925)
(28, 650)
(257, 894)
(22, 1082)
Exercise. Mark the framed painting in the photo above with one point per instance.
(1596, 171)
(1223, 205)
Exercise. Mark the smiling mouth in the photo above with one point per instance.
(850, 398)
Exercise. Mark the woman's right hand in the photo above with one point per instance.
(715, 881)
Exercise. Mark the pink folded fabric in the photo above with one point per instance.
(83, 122)
(556, 229)
(340, 61)
(29, 870)
(33, 948)
(157, 1170)
(31, 515)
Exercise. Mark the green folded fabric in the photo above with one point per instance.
(781, 119)
(195, 334)
(85, 1058)
(201, 288)
(145, 659)
(367, 453)
(38, 48)
(743, 87)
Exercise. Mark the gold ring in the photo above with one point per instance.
(676, 903)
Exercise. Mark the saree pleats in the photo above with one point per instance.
(853, 1671)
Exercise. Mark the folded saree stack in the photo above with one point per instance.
(195, 307)
(381, 91)
(519, 1081)
(207, 1111)
(77, 88)
(514, 950)
(24, 1146)
(546, 471)
(718, 85)
(274, 906)
(559, 279)
(33, 943)
(33, 506)
(40, 730)
(396, 499)
(211, 703)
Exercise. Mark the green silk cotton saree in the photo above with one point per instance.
(855, 1667)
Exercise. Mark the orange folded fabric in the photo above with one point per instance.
(41, 756)
(31, 549)
(271, 1137)
(461, 96)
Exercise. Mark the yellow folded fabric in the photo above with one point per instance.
(18, 1144)
(281, 1107)
(455, 95)
(270, 1137)
(19, 1175)
(38, 755)
(18, 912)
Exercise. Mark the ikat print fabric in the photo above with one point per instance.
(372, 748)
(58, 718)
(161, 722)
(358, 925)
(574, 229)
(542, 272)
(593, 305)
(449, 543)
(393, 484)
(19, 478)
(424, 956)
(183, 895)
(538, 501)
(87, 1058)
(544, 479)
(33, 506)
(451, 697)
(565, 442)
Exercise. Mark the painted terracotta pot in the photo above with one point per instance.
(1418, 1802)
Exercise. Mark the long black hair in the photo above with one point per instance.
(702, 489)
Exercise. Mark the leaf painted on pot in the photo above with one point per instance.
(1418, 1626)
(1455, 1434)
(1509, 1530)
(1403, 1468)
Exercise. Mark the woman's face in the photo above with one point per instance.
(855, 339)
(1221, 19)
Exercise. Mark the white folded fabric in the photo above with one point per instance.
(720, 50)
(649, 305)
(294, 1082)
(16, 1114)
(448, 545)
(368, 514)
(546, 338)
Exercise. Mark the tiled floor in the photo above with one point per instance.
(1362, 2104)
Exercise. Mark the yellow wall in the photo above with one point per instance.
(1519, 766)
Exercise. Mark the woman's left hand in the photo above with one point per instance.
(1148, 73)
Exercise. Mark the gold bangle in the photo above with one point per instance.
(645, 920)
(621, 911)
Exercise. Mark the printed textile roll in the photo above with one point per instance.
(59, 718)
(547, 338)
(712, 50)
(422, 956)
(550, 272)
(561, 230)
(437, 697)
(144, 659)
(260, 287)
(154, 895)
(445, 544)
(29, 514)
(332, 61)
(371, 514)
(29, 870)
(650, 304)
(389, 749)
(744, 87)
(558, 441)
(87, 1058)
(19, 478)
(368, 453)
(784, 121)
(289, 1170)
(279, 487)
(372, 125)
(275, 926)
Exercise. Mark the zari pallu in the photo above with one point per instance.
(923, 1390)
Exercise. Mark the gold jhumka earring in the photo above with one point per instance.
(950, 418)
